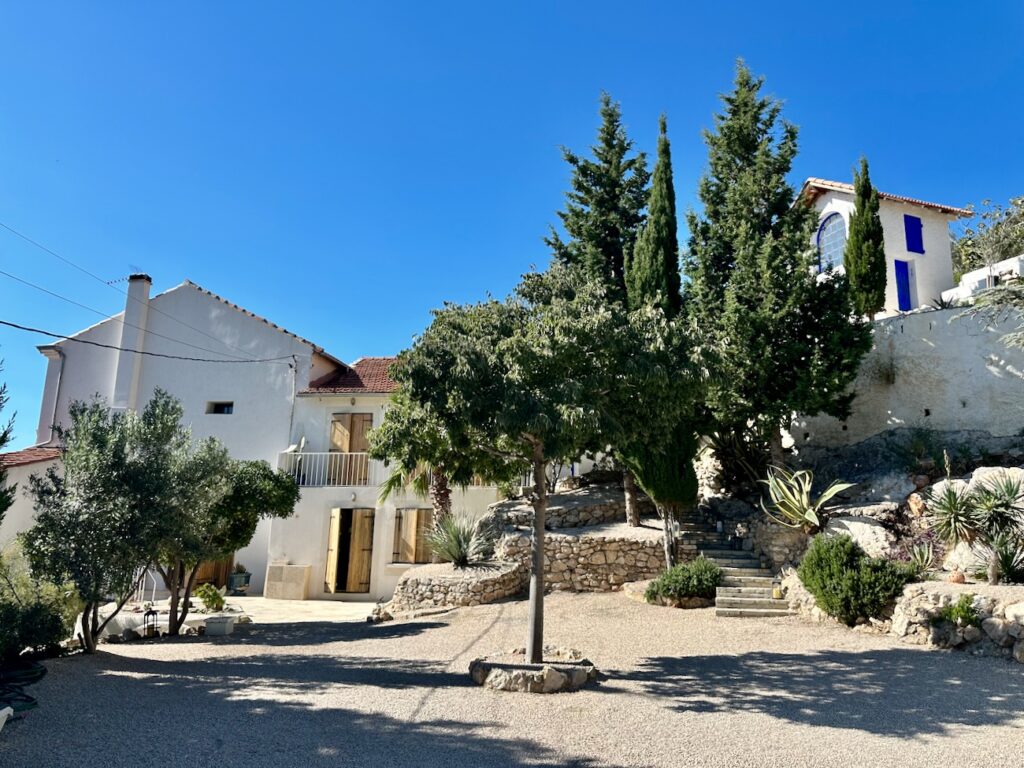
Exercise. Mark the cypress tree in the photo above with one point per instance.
(864, 256)
(604, 207)
(784, 341)
(652, 273)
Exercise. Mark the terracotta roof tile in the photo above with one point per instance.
(814, 187)
(365, 375)
(29, 456)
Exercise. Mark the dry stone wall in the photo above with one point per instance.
(590, 505)
(587, 563)
(442, 586)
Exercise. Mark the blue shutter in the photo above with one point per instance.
(903, 285)
(915, 238)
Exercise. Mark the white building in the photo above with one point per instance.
(343, 541)
(918, 251)
(249, 406)
(21, 465)
(977, 280)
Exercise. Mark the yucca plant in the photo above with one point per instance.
(1007, 552)
(953, 517)
(922, 557)
(791, 499)
(462, 539)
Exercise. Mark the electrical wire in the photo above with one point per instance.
(40, 331)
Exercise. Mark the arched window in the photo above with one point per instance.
(831, 242)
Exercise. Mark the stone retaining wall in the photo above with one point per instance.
(590, 505)
(587, 563)
(441, 586)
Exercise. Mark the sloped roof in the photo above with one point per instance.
(814, 187)
(29, 456)
(367, 375)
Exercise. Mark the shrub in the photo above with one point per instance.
(460, 538)
(35, 628)
(793, 505)
(846, 583)
(212, 599)
(697, 578)
(962, 613)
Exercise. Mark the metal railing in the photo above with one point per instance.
(312, 470)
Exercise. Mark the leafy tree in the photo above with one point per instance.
(6, 431)
(652, 274)
(527, 380)
(88, 530)
(785, 341)
(422, 456)
(864, 256)
(604, 207)
(996, 233)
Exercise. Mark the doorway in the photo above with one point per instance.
(349, 551)
(903, 298)
(350, 440)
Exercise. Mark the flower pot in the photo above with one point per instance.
(238, 583)
(217, 626)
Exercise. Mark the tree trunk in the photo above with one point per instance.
(629, 491)
(173, 582)
(440, 494)
(993, 568)
(668, 513)
(88, 636)
(535, 644)
(775, 451)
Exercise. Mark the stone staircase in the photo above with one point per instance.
(746, 589)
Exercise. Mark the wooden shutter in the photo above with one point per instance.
(360, 551)
(333, 535)
(424, 522)
(341, 433)
(407, 536)
(915, 236)
(361, 425)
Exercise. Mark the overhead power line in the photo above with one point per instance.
(41, 332)
(99, 279)
(104, 315)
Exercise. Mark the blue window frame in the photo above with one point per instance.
(915, 238)
(831, 242)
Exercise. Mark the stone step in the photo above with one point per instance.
(736, 562)
(765, 582)
(751, 613)
(757, 603)
(763, 592)
(739, 571)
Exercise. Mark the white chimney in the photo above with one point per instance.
(133, 332)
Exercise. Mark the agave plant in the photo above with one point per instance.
(922, 557)
(462, 539)
(953, 516)
(791, 499)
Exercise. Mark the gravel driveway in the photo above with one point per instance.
(682, 688)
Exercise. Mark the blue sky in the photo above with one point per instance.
(342, 168)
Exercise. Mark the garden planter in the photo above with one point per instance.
(220, 625)
(238, 583)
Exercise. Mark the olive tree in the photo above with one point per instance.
(528, 379)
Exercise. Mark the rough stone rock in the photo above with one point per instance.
(917, 505)
(563, 670)
(998, 631)
(894, 486)
(1018, 651)
(780, 545)
(963, 557)
(972, 634)
(874, 538)
(957, 577)
(1015, 613)
(588, 505)
(984, 476)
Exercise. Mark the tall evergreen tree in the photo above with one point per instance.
(864, 257)
(604, 207)
(785, 342)
(652, 273)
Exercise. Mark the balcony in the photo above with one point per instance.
(317, 470)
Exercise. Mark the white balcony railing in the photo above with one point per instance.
(312, 470)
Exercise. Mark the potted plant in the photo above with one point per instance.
(238, 582)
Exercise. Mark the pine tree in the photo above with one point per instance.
(864, 257)
(652, 274)
(784, 341)
(604, 207)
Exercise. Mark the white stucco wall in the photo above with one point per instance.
(20, 515)
(262, 393)
(945, 373)
(931, 273)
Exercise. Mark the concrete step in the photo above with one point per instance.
(751, 613)
(762, 592)
(758, 603)
(741, 571)
(735, 562)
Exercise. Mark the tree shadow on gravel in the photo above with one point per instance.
(898, 692)
(246, 712)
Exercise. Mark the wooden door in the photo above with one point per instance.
(333, 535)
(360, 551)
(412, 529)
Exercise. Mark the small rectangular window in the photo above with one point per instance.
(223, 408)
(915, 237)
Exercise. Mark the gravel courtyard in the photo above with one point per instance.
(682, 688)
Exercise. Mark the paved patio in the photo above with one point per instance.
(682, 688)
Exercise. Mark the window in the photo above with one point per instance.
(223, 408)
(831, 242)
(915, 238)
(411, 528)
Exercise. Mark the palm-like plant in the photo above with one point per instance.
(461, 539)
(792, 501)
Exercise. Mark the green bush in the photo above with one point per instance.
(212, 599)
(962, 613)
(697, 578)
(35, 629)
(846, 583)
